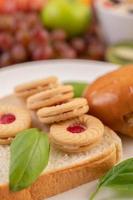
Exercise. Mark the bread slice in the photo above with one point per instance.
(64, 171)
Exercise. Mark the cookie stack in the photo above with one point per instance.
(28, 89)
(71, 130)
(52, 102)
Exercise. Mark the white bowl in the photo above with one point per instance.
(116, 27)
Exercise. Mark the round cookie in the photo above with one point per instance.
(71, 109)
(77, 135)
(50, 97)
(33, 87)
(13, 119)
(6, 141)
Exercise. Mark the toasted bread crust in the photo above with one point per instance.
(62, 180)
(5, 194)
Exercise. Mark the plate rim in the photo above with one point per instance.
(25, 64)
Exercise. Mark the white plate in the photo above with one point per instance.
(65, 70)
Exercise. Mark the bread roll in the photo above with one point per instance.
(110, 98)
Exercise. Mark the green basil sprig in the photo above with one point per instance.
(79, 87)
(120, 177)
(29, 157)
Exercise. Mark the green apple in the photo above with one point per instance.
(70, 15)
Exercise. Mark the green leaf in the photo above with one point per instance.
(120, 176)
(79, 87)
(29, 157)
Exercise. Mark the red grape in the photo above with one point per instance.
(64, 50)
(96, 51)
(36, 4)
(23, 37)
(22, 4)
(58, 35)
(78, 44)
(32, 46)
(7, 23)
(21, 26)
(6, 41)
(40, 35)
(69, 53)
(60, 46)
(42, 53)
(7, 6)
(18, 53)
(32, 19)
(5, 59)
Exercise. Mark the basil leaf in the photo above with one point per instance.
(79, 87)
(29, 157)
(120, 176)
(114, 174)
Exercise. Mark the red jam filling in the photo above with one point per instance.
(76, 128)
(7, 118)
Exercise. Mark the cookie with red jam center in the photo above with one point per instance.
(13, 119)
(7, 118)
(77, 135)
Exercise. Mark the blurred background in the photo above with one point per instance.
(33, 30)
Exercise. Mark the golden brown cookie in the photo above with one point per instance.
(33, 87)
(6, 141)
(77, 135)
(13, 119)
(71, 109)
(50, 97)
